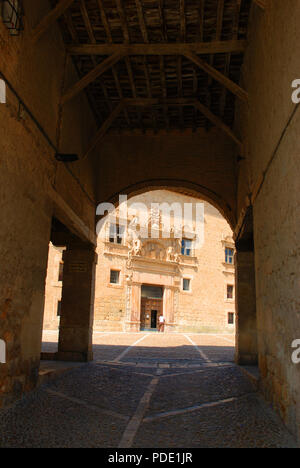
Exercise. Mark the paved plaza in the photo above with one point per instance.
(146, 390)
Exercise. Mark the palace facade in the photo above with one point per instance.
(150, 265)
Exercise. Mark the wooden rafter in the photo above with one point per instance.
(103, 129)
(182, 50)
(146, 102)
(123, 20)
(261, 3)
(163, 28)
(90, 31)
(50, 18)
(149, 92)
(214, 47)
(91, 76)
(235, 31)
(164, 89)
(143, 26)
(219, 123)
(109, 39)
(233, 87)
(218, 34)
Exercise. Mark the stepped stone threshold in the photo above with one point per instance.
(147, 390)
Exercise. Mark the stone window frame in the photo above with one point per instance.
(191, 249)
(189, 277)
(116, 237)
(231, 325)
(115, 285)
(227, 299)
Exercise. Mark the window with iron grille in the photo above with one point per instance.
(116, 233)
(12, 15)
(229, 255)
(186, 247)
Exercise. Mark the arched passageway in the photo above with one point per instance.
(93, 104)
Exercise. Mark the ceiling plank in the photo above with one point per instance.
(105, 21)
(103, 129)
(50, 18)
(123, 19)
(108, 33)
(233, 87)
(145, 102)
(91, 76)
(142, 22)
(235, 31)
(164, 89)
(214, 47)
(219, 123)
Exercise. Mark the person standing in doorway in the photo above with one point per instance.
(161, 323)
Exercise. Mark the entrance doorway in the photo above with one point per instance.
(151, 307)
(154, 319)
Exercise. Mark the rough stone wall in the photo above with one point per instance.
(33, 187)
(270, 128)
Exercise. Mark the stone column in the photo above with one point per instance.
(246, 329)
(135, 319)
(169, 308)
(77, 307)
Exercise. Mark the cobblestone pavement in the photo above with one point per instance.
(147, 390)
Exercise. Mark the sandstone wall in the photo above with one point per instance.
(271, 130)
(203, 163)
(33, 188)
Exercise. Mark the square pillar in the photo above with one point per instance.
(134, 323)
(246, 328)
(169, 309)
(77, 306)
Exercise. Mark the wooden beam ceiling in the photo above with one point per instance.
(215, 47)
(164, 64)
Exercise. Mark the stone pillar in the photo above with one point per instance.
(135, 318)
(77, 307)
(246, 329)
(169, 309)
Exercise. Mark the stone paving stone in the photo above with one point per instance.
(244, 423)
(113, 389)
(44, 420)
(92, 402)
(196, 388)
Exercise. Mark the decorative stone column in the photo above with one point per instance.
(246, 328)
(77, 307)
(134, 323)
(169, 308)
